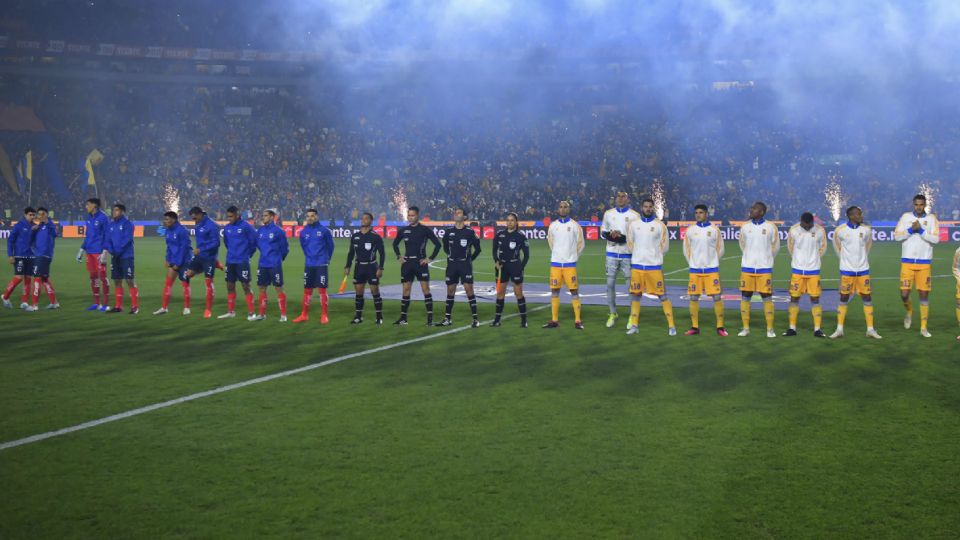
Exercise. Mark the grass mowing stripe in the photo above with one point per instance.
(219, 390)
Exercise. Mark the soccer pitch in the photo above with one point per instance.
(479, 432)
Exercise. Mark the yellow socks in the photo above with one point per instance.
(924, 314)
(908, 305)
(868, 314)
(768, 312)
(817, 316)
(694, 313)
(842, 313)
(576, 308)
(794, 311)
(635, 313)
(668, 311)
(554, 308)
(745, 313)
(718, 310)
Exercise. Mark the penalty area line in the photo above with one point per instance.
(235, 386)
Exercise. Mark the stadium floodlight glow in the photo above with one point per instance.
(659, 198)
(930, 193)
(834, 197)
(171, 198)
(400, 201)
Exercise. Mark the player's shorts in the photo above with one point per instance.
(915, 274)
(756, 282)
(564, 275)
(315, 277)
(41, 267)
(511, 271)
(270, 276)
(22, 266)
(805, 283)
(238, 272)
(121, 268)
(854, 282)
(411, 270)
(94, 266)
(617, 265)
(365, 274)
(201, 265)
(704, 283)
(646, 279)
(459, 272)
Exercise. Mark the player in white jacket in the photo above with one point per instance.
(919, 232)
(648, 241)
(759, 242)
(565, 238)
(703, 248)
(806, 243)
(852, 241)
(616, 221)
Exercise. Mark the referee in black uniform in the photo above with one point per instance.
(511, 251)
(462, 247)
(414, 262)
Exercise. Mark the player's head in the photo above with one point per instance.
(42, 214)
(701, 213)
(118, 210)
(564, 208)
(855, 215)
(170, 219)
(459, 215)
(806, 220)
(29, 213)
(622, 199)
(919, 203)
(196, 213)
(92, 205)
(366, 219)
(647, 208)
(512, 221)
(758, 210)
(413, 215)
(233, 214)
(311, 216)
(268, 216)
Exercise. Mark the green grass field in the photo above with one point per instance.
(479, 433)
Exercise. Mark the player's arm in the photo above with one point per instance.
(525, 251)
(686, 244)
(630, 237)
(790, 241)
(823, 241)
(902, 232)
(476, 247)
(775, 239)
(721, 247)
(381, 253)
(869, 233)
(743, 238)
(837, 247)
(396, 242)
(664, 239)
(446, 244)
(956, 265)
(932, 236)
(580, 241)
(496, 248)
(251, 241)
(284, 247)
(436, 244)
(350, 251)
(550, 237)
(12, 241)
(328, 242)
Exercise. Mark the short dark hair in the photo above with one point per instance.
(172, 215)
(514, 214)
(462, 209)
(367, 214)
(95, 201)
(762, 205)
(271, 212)
(195, 210)
(806, 217)
(120, 206)
(314, 210)
(701, 207)
(414, 208)
(647, 200)
(233, 210)
(852, 208)
(29, 210)
(42, 209)
(920, 197)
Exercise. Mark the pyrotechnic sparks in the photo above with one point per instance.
(171, 199)
(400, 201)
(659, 198)
(930, 193)
(834, 198)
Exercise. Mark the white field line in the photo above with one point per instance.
(219, 390)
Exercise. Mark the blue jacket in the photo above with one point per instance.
(178, 245)
(317, 244)
(18, 243)
(120, 238)
(240, 241)
(272, 243)
(208, 238)
(95, 233)
(43, 239)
